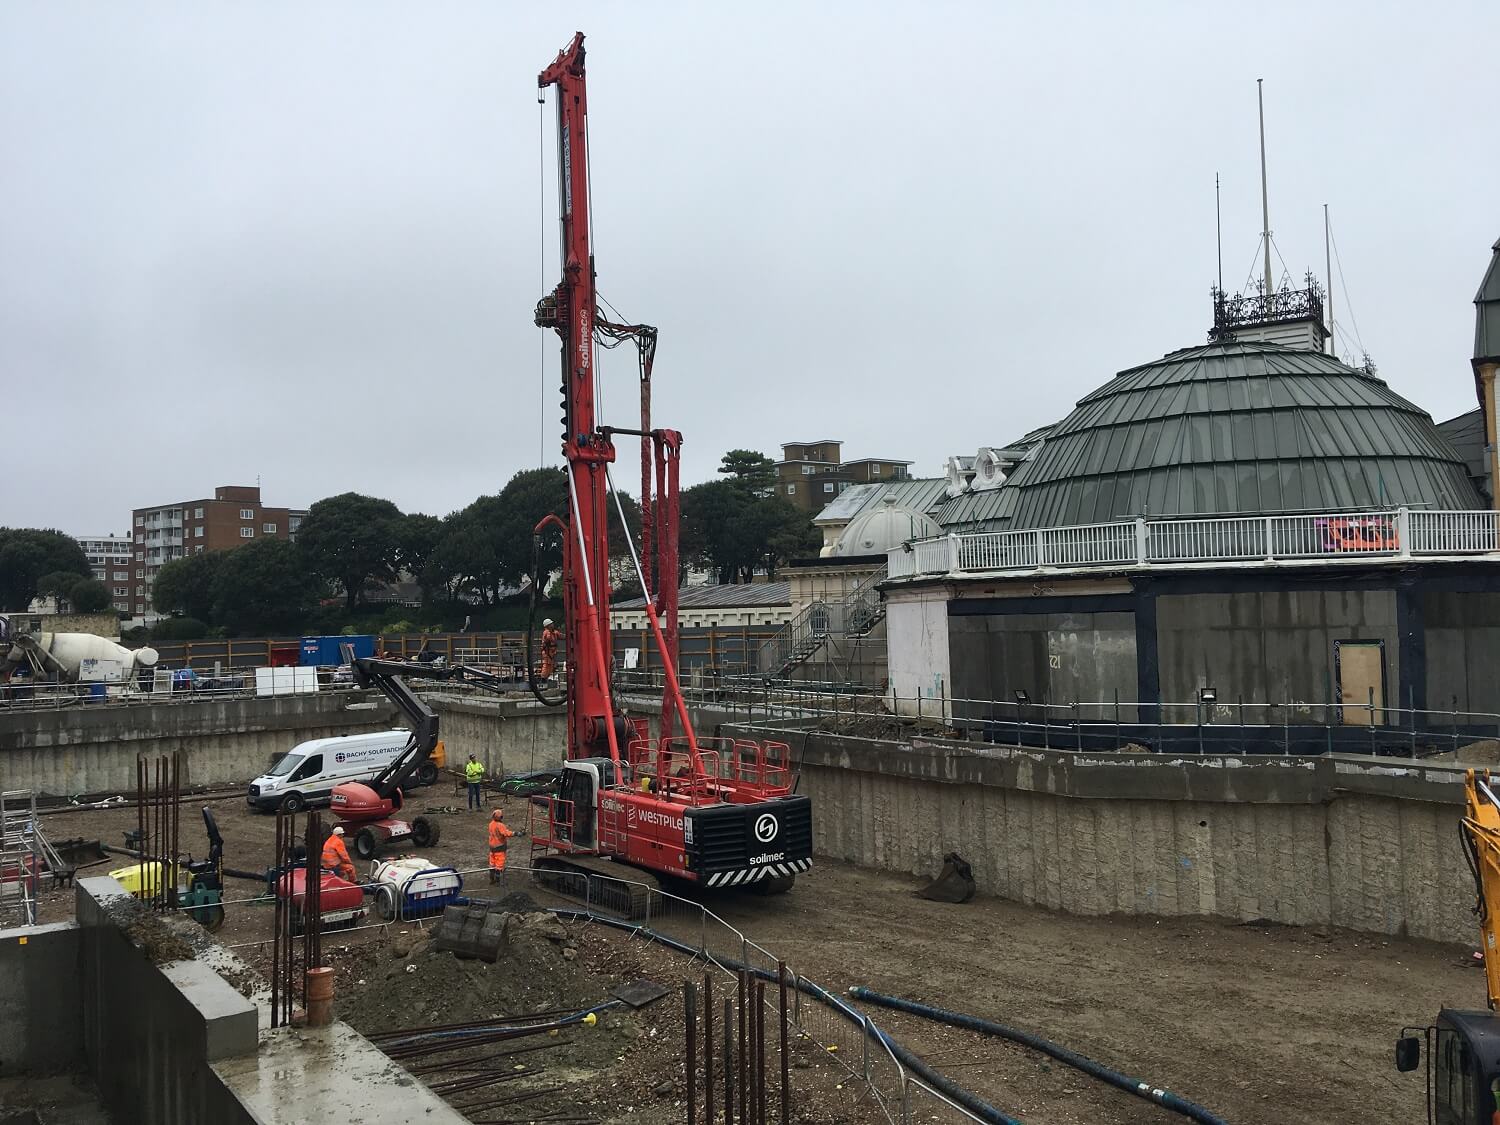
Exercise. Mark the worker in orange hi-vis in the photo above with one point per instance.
(336, 856)
(500, 837)
(551, 635)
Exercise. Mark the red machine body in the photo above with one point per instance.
(722, 812)
(341, 901)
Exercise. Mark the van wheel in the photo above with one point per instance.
(293, 803)
(427, 774)
(424, 832)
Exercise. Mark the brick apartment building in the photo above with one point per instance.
(233, 517)
(811, 474)
(109, 559)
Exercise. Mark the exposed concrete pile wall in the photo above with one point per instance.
(1336, 840)
(93, 749)
(509, 736)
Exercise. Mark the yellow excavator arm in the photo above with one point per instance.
(1481, 835)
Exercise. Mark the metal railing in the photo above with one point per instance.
(1325, 537)
(853, 615)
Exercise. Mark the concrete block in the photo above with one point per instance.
(95, 899)
(225, 1019)
(40, 1022)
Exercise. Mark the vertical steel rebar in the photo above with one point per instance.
(176, 824)
(760, 1053)
(708, 1049)
(786, 1085)
(690, 1047)
(276, 927)
(728, 1067)
(741, 1055)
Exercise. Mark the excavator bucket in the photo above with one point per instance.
(954, 883)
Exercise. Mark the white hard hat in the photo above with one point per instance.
(546, 621)
(338, 830)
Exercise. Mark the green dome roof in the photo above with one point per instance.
(1232, 428)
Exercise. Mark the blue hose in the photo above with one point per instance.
(1164, 1098)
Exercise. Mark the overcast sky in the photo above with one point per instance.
(303, 242)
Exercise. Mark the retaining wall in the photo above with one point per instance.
(224, 741)
(1367, 843)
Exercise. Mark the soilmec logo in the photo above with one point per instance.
(766, 828)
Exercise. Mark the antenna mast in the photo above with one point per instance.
(1218, 233)
(1265, 206)
(1333, 348)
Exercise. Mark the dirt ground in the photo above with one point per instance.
(1262, 1024)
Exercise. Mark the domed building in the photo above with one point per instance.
(1233, 427)
(1245, 520)
(881, 529)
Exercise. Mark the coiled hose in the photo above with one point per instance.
(1164, 1098)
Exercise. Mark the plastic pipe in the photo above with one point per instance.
(1164, 1098)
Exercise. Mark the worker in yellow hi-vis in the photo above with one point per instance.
(474, 775)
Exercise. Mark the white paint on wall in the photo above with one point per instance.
(917, 653)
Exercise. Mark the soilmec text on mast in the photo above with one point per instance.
(719, 812)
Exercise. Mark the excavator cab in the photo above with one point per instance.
(1463, 1066)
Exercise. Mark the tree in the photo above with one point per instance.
(59, 584)
(352, 539)
(754, 472)
(185, 587)
(27, 553)
(735, 529)
(528, 498)
(89, 595)
(264, 586)
(468, 554)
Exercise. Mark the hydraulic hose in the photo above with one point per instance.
(1164, 1098)
(911, 1062)
(536, 582)
(558, 1024)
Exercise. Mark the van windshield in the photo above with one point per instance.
(288, 763)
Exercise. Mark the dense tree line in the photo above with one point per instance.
(45, 562)
(476, 558)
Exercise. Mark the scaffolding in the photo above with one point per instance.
(25, 857)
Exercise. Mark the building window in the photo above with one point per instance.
(140, 591)
(247, 533)
(875, 470)
(268, 528)
(807, 470)
(791, 490)
(198, 532)
(122, 576)
(828, 486)
(197, 550)
(140, 573)
(122, 591)
(140, 521)
(197, 513)
(247, 513)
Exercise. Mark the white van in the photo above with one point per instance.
(306, 774)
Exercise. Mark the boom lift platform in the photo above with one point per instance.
(716, 812)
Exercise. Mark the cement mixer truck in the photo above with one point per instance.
(70, 658)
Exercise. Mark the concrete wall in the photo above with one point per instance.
(1462, 650)
(1334, 840)
(1271, 647)
(509, 736)
(93, 749)
(1057, 658)
(41, 1028)
(916, 627)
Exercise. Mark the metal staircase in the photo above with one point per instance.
(821, 623)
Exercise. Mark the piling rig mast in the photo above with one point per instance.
(720, 812)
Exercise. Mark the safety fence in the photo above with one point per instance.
(1298, 537)
(823, 1022)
